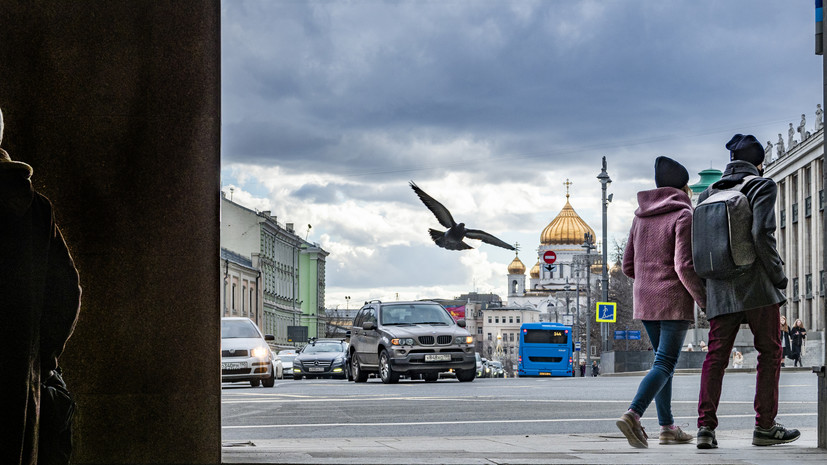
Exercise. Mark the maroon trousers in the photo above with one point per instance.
(766, 330)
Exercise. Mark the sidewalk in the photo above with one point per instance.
(735, 448)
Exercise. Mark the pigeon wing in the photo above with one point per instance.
(487, 238)
(442, 214)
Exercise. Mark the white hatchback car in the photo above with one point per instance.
(245, 355)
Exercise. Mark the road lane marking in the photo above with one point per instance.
(482, 422)
(483, 399)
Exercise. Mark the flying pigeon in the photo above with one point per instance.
(452, 238)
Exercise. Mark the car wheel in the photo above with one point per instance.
(356, 371)
(385, 370)
(269, 382)
(430, 377)
(254, 382)
(465, 376)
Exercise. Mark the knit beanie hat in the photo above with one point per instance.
(669, 173)
(746, 148)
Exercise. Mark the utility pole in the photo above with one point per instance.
(588, 244)
(605, 180)
(822, 370)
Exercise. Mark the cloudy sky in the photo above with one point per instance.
(329, 108)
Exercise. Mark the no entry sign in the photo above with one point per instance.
(549, 257)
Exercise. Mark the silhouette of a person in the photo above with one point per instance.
(39, 304)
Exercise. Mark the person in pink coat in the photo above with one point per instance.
(658, 257)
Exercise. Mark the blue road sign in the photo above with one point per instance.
(606, 312)
(577, 347)
(633, 335)
(620, 334)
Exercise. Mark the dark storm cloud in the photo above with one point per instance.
(324, 75)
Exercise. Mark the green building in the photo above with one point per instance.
(312, 288)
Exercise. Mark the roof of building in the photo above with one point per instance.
(236, 258)
(516, 266)
(566, 228)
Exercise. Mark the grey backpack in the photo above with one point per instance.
(722, 245)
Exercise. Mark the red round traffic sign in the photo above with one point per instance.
(549, 257)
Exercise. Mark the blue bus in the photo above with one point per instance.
(545, 350)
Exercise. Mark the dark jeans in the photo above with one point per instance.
(667, 339)
(765, 326)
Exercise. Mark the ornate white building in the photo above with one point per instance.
(547, 284)
(798, 171)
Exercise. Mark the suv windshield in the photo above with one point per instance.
(231, 329)
(415, 314)
(327, 347)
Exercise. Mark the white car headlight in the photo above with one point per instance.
(260, 352)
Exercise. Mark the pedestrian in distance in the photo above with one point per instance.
(39, 301)
(595, 369)
(737, 360)
(658, 257)
(797, 335)
(582, 369)
(785, 340)
(752, 296)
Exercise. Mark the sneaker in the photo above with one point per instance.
(775, 435)
(706, 438)
(632, 429)
(675, 436)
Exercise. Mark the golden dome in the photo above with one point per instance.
(567, 228)
(535, 271)
(516, 266)
(597, 265)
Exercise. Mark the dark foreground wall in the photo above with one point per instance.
(116, 105)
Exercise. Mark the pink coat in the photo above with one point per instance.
(658, 257)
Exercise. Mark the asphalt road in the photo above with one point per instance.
(490, 407)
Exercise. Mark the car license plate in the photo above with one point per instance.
(315, 369)
(437, 357)
(233, 365)
(545, 373)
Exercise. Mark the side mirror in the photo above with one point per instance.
(369, 325)
(269, 337)
(461, 322)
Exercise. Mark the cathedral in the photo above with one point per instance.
(547, 285)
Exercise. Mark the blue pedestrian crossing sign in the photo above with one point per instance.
(606, 312)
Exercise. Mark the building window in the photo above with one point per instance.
(808, 207)
(232, 300)
(489, 319)
(808, 286)
(783, 218)
(795, 213)
(795, 290)
(489, 337)
(821, 284)
(496, 319)
(511, 337)
(518, 318)
(511, 319)
(479, 329)
(821, 200)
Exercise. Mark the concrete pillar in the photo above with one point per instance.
(116, 105)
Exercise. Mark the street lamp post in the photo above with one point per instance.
(577, 315)
(347, 302)
(821, 371)
(605, 180)
(588, 244)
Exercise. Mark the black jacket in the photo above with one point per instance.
(39, 304)
(760, 285)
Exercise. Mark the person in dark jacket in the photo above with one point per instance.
(786, 350)
(658, 256)
(797, 334)
(752, 298)
(39, 304)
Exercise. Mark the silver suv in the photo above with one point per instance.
(416, 339)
